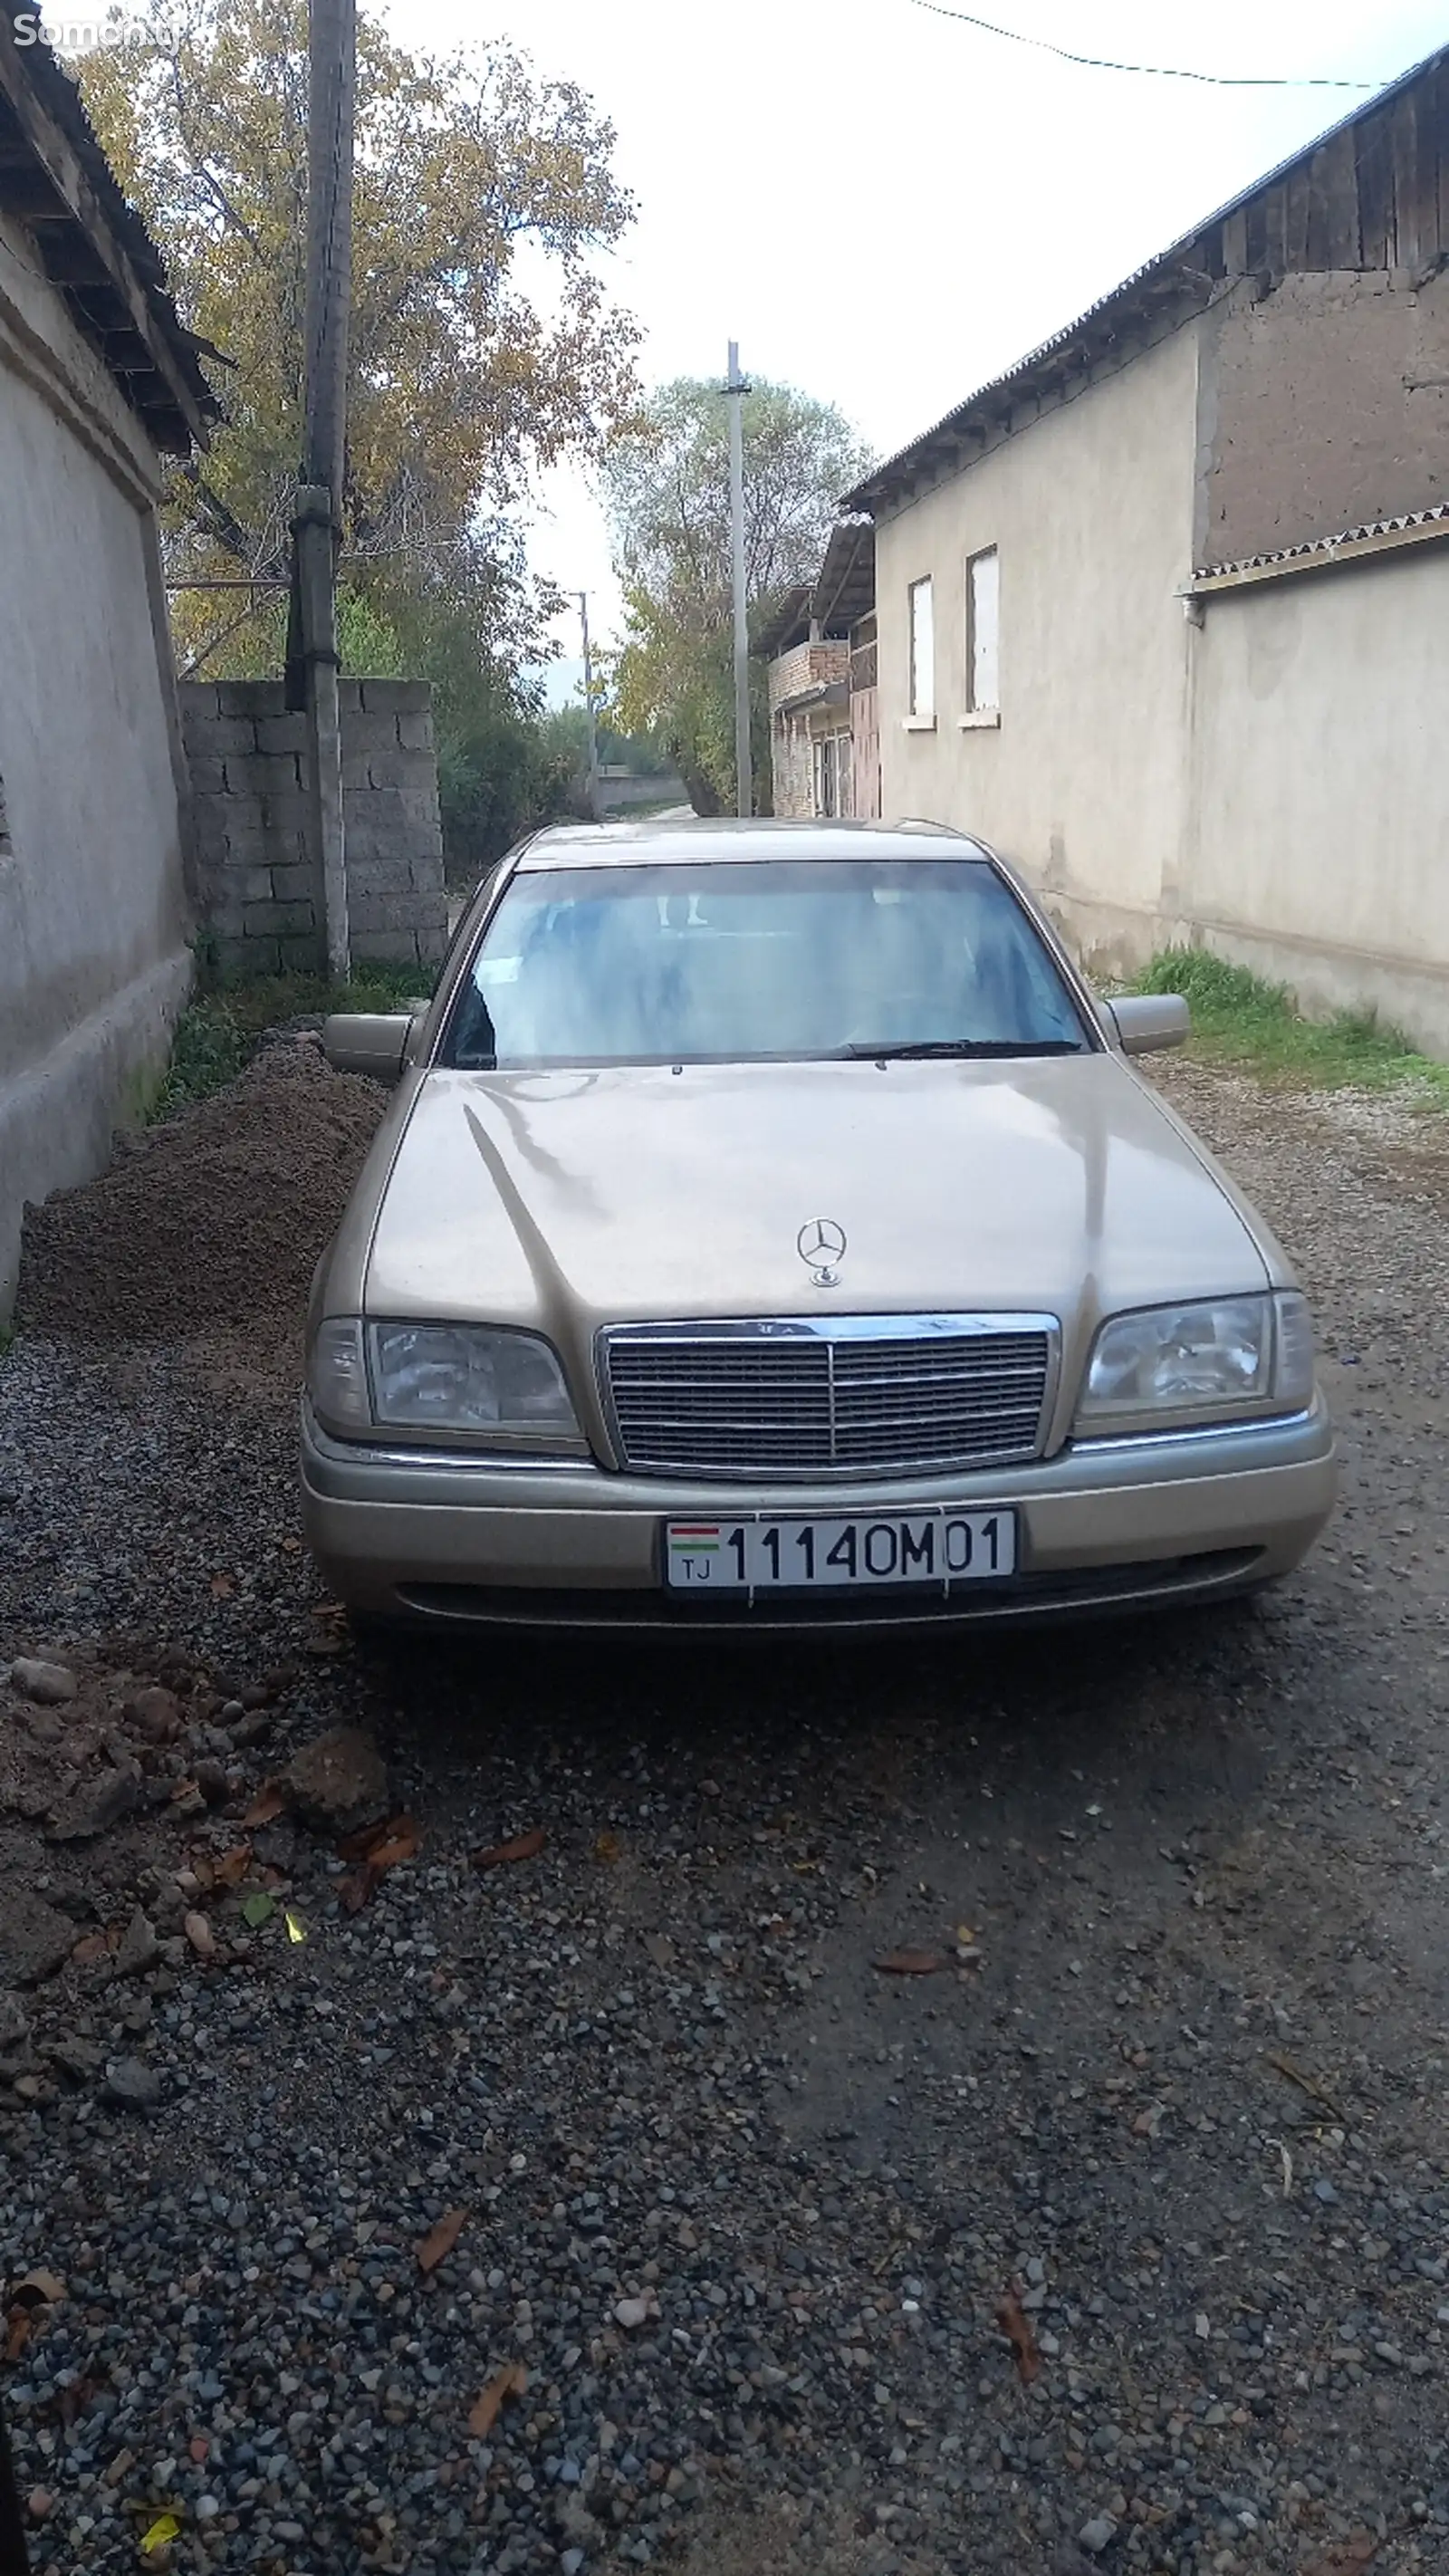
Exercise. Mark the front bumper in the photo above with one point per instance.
(438, 1539)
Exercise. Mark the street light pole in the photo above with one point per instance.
(589, 705)
(736, 390)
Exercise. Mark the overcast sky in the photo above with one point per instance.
(886, 207)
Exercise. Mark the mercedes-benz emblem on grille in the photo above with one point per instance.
(821, 1246)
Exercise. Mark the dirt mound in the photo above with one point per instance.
(211, 1223)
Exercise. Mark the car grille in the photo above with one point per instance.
(794, 1401)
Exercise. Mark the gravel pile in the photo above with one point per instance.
(210, 1222)
(876, 2113)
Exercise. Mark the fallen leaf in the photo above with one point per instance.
(1016, 2325)
(91, 1946)
(38, 2289)
(911, 1963)
(199, 2447)
(222, 1586)
(399, 1839)
(606, 1846)
(1310, 2085)
(296, 1928)
(232, 1866)
(521, 1847)
(1345, 2558)
(17, 2333)
(482, 2414)
(440, 2240)
(163, 2531)
(266, 1806)
(258, 1909)
(201, 1936)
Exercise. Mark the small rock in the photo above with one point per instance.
(337, 1781)
(35, 1938)
(631, 2313)
(14, 2021)
(40, 2504)
(46, 1684)
(1098, 2534)
(98, 1804)
(1323, 2190)
(75, 2058)
(131, 2085)
(200, 1935)
(212, 1781)
(155, 1713)
(140, 1948)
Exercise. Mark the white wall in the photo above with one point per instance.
(93, 922)
(1091, 510)
(1318, 850)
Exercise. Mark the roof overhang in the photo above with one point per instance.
(56, 181)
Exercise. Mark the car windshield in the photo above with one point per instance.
(759, 960)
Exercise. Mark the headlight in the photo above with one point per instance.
(1200, 1361)
(466, 1378)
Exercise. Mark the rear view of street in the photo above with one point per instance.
(916, 2107)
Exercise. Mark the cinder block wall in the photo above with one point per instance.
(255, 884)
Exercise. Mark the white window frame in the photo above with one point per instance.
(983, 688)
(920, 699)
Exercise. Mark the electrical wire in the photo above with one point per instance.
(1151, 71)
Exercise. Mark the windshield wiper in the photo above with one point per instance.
(968, 1047)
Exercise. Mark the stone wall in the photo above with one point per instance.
(257, 893)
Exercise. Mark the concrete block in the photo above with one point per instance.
(363, 732)
(384, 947)
(206, 775)
(385, 911)
(251, 697)
(252, 885)
(397, 697)
(293, 882)
(261, 774)
(278, 920)
(355, 777)
(226, 917)
(349, 698)
(405, 769)
(415, 733)
(302, 956)
(376, 876)
(285, 734)
(433, 944)
(238, 958)
(208, 822)
(197, 697)
(212, 737)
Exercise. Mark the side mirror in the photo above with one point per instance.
(372, 1042)
(1146, 1022)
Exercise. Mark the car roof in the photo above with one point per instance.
(699, 838)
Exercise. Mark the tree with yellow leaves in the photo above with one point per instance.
(461, 383)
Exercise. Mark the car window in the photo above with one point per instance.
(759, 960)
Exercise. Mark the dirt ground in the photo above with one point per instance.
(1180, 2090)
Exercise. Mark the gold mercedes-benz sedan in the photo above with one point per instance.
(769, 1229)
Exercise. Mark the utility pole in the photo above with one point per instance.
(312, 656)
(589, 704)
(736, 390)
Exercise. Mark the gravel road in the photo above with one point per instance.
(607, 2204)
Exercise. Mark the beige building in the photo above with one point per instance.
(821, 677)
(97, 380)
(1164, 612)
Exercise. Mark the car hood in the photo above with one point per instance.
(563, 1201)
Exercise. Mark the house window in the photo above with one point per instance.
(983, 633)
(922, 699)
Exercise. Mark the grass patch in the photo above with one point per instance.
(217, 1032)
(1238, 1018)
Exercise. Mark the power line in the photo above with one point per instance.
(1152, 71)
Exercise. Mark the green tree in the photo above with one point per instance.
(666, 481)
(483, 344)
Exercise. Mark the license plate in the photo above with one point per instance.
(943, 1548)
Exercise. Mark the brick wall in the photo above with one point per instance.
(255, 882)
(807, 666)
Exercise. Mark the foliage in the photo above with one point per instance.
(566, 731)
(667, 487)
(1238, 1018)
(216, 1033)
(482, 343)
